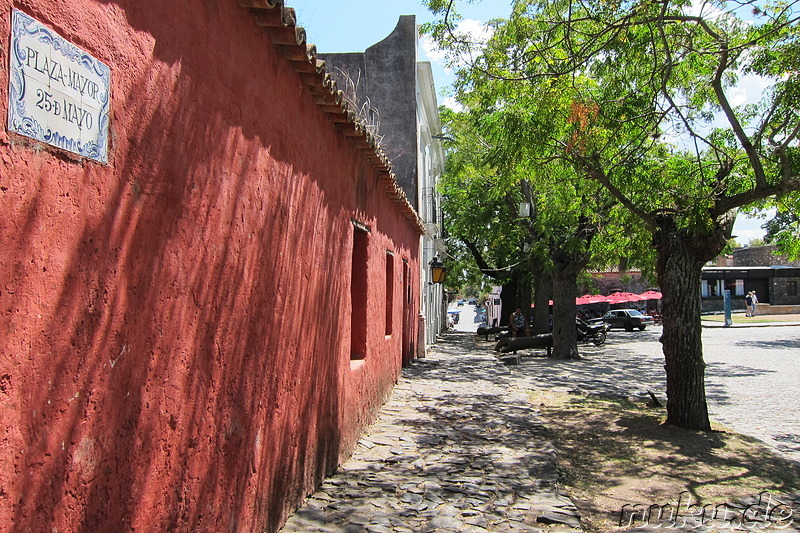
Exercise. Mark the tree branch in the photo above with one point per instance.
(744, 140)
(593, 170)
(483, 266)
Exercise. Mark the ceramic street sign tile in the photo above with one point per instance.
(58, 93)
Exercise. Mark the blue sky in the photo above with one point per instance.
(355, 25)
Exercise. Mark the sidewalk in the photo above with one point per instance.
(457, 448)
(785, 320)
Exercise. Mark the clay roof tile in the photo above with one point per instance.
(280, 22)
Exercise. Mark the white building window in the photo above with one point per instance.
(739, 287)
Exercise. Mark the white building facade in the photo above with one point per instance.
(430, 168)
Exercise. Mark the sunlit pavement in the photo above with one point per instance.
(751, 376)
(469, 317)
(458, 447)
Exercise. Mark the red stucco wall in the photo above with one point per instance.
(174, 326)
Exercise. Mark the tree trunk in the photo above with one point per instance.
(679, 266)
(542, 293)
(508, 300)
(565, 333)
(524, 294)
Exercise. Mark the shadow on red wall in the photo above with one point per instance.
(169, 366)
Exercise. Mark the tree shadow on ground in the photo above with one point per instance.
(464, 434)
(782, 344)
(616, 453)
(459, 446)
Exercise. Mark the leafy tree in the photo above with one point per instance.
(784, 229)
(480, 209)
(514, 161)
(661, 107)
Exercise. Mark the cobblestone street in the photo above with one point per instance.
(458, 447)
(751, 377)
(752, 380)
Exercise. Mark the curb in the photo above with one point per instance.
(706, 324)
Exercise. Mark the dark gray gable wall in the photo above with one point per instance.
(384, 78)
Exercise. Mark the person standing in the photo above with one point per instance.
(748, 300)
(754, 304)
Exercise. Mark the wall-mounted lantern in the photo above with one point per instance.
(438, 270)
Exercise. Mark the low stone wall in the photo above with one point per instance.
(767, 309)
(711, 305)
(715, 305)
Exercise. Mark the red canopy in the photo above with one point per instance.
(590, 299)
(623, 297)
(615, 298)
(651, 295)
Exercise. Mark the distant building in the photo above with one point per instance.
(774, 279)
(611, 280)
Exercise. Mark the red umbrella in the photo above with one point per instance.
(590, 299)
(651, 295)
(623, 297)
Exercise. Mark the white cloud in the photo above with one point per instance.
(453, 104)
(749, 89)
(746, 228)
(431, 49)
(705, 9)
(745, 236)
(473, 31)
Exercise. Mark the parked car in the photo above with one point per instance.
(625, 318)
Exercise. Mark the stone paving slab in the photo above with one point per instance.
(457, 448)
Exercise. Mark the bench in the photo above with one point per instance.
(509, 345)
(493, 330)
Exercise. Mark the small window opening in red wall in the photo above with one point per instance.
(358, 294)
(389, 291)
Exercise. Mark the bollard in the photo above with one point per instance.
(726, 298)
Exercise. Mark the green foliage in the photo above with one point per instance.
(730, 246)
(784, 229)
(635, 100)
(516, 142)
(634, 96)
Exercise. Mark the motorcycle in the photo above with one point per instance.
(594, 333)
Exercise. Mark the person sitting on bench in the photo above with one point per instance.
(518, 323)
